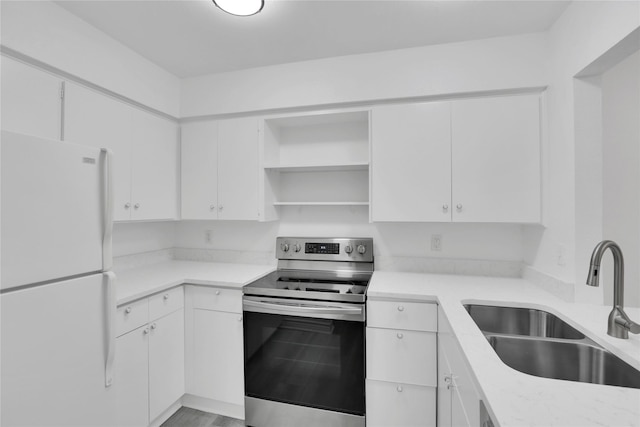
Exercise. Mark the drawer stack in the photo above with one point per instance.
(401, 363)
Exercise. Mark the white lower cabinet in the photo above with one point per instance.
(149, 359)
(458, 398)
(215, 350)
(401, 364)
(131, 381)
(400, 404)
(166, 362)
(218, 359)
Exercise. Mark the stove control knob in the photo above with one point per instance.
(284, 247)
(297, 247)
(362, 249)
(348, 249)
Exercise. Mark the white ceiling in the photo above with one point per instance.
(193, 37)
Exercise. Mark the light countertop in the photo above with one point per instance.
(514, 398)
(140, 282)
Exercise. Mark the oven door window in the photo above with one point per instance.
(305, 361)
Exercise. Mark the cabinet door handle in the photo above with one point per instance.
(145, 331)
(127, 310)
(400, 336)
(445, 207)
(136, 206)
(240, 319)
(217, 292)
(400, 308)
(459, 207)
(127, 205)
(221, 207)
(166, 297)
(399, 388)
(212, 207)
(153, 326)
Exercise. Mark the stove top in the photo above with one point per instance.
(315, 285)
(318, 268)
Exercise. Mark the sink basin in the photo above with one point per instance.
(564, 360)
(520, 321)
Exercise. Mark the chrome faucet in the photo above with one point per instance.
(619, 324)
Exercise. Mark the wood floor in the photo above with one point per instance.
(187, 417)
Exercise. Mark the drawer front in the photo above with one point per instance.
(219, 299)
(415, 316)
(166, 302)
(398, 355)
(131, 316)
(400, 405)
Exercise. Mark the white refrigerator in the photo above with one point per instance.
(57, 297)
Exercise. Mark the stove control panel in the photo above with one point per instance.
(325, 249)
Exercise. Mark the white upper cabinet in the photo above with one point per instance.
(154, 175)
(31, 100)
(238, 169)
(411, 162)
(99, 121)
(199, 170)
(472, 160)
(496, 159)
(220, 170)
(144, 150)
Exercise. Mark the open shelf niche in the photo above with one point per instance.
(315, 159)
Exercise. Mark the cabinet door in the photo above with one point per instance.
(131, 383)
(166, 362)
(238, 169)
(154, 177)
(199, 170)
(31, 102)
(496, 159)
(218, 356)
(400, 405)
(411, 162)
(94, 119)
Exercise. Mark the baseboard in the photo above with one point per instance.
(167, 414)
(213, 406)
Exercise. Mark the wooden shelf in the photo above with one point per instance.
(321, 203)
(319, 168)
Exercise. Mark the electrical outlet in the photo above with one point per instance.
(208, 237)
(436, 242)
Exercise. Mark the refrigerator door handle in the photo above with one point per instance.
(107, 242)
(110, 329)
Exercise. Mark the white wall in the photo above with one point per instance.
(480, 65)
(136, 237)
(489, 242)
(584, 32)
(621, 171)
(48, 33)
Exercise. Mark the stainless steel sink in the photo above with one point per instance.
(521, 321)
(564, 360)
(539, 343)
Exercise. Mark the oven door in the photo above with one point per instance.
(307, 353)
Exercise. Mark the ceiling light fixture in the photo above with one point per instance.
(240, 7)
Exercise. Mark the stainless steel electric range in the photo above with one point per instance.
(304, 332)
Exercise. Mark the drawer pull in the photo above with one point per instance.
(399, 388)
(127, 310)
(166, 297)
(217, 292)
(400, 308)
(400, 336)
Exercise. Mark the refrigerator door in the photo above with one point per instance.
(54, 210)
(55, 347)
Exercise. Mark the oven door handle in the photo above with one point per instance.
(289, 308)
